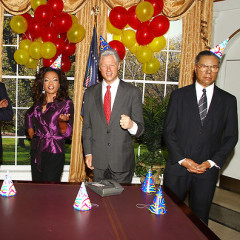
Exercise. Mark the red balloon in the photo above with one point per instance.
(69, 49)
(144, 34)
(119, 47)
(133, 21)
(43, 14)
(27, 16)
(62, 22)
(66, 64)
(35, 28)
(49, 34)
(63, 36)
(48, 62)
(56, 5)
(60, 45)
(118, 17)
(159, 25)
(157, 5)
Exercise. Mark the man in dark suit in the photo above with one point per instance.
(6, 113)
(201, 130)
(112, 115)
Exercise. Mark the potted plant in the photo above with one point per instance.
(153, 152)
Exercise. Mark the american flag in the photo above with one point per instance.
(91, 75)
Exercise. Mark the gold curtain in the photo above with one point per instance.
(197, 27)
(196, 36)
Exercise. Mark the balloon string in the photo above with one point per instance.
(139, 205)
(95, 205)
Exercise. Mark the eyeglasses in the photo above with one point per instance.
(205, 68)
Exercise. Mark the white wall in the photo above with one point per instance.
(226, 20)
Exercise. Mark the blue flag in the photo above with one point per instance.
(91, 75)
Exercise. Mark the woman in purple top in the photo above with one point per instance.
(49, 121)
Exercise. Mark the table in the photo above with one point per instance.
(41, 211)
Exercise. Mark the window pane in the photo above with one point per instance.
(9, 37)
(23, 151)
(25, 93)
(9, 66)
(8, 151)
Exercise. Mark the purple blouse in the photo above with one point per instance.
(47, 135)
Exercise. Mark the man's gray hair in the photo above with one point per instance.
(109, 52)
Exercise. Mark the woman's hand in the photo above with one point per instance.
(63, 117)
(62, 121)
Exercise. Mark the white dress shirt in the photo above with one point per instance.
(113, 90)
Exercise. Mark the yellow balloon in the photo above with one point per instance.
(36, 3)
(144, 11)
(144, 54)
(112, 29)
(18, 24)
(74, 19)
(157, 44)
(48, 50)
(117, 37)
(76, 33)
(128, 38)
(134, 48)
(21, 56)
(35, 50)
(32, 63)
(151, 67)
(25, 44)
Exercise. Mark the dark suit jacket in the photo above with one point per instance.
(110, 144)
(6, 114)
(185, 137)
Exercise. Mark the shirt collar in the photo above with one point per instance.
(199, 88)
(113, 85)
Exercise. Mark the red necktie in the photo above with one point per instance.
(107, 104)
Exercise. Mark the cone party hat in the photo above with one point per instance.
(103, 44)
(218, 50)
(82, 201)
(8, 189)
(158, 206)
(148, 184)
(57, 63)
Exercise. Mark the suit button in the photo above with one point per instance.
(109, 144)
(201, 131)
(108, 131)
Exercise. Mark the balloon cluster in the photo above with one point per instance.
(50, 33)
(140, 29)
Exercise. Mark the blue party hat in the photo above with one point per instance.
(158, 206)
(218, 50)
(148, 184)
(103, 44)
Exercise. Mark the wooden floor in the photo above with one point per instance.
(231, 201)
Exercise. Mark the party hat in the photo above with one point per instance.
(103, 44)
(57, 63)
(218, 50)
(82, 201)
(148, 184)
(158, 206)
(8, 189)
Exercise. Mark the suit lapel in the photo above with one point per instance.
(99, 103)
(215, 103)
(193, 104)
(117, 102)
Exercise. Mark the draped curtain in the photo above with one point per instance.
(197, 27)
